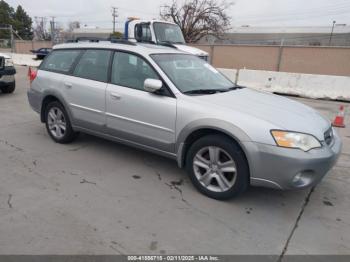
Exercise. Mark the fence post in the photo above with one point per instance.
(280, 55)
(212, 47)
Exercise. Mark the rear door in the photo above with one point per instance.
(85, 89)
(134, 114)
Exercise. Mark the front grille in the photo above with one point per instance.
(328, 136)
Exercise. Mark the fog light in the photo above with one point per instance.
(303, 179)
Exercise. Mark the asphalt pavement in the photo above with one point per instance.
(98, 197)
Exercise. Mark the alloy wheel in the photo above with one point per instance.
(215, 169)
(56, 122)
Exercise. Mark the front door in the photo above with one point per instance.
(136, 115)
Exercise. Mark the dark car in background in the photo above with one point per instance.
(41, 53)
(7, 74)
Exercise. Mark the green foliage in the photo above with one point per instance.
(23, 23)
(19, 19)
(117, 35)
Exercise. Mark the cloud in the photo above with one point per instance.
(252, 12)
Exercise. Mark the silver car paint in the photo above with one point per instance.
(148, 117)
(162, 124)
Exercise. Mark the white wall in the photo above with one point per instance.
(305, 85)
(229, 73)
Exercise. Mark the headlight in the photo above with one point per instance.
(301, 141)
(8, 62)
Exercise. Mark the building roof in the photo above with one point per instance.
(338, 29)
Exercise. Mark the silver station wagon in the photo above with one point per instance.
(175, 104)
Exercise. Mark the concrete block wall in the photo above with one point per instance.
(304, 85)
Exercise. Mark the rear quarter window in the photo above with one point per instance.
(60, 61)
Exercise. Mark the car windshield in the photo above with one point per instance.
(192, 75)
(168, 33)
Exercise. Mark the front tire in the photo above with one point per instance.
(217, 167)
(9, 89)
(58, 123)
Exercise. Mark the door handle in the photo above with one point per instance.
(68, 85)
(115, 96)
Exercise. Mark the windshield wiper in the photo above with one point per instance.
(205, 91)
(211, 91)
(167, 43)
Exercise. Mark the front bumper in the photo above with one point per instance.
(283, 168)
(7, 76)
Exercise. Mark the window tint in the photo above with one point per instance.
(131, 71)
(60, 60)
(93, 65)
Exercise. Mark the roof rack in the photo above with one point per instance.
(121, 41)
(90, 39)
(98, 39)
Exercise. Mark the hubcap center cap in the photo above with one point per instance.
(215, 168)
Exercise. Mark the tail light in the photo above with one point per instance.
(32, 73)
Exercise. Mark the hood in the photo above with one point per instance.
(5, 56)
(191, 50)
(279, 111)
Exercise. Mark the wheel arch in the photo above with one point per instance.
(195, 131)
(51, 97)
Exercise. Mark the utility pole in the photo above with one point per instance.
(331, 36)
(115, 15)
(53, 30)
(12, 39)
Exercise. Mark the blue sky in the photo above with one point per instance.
(244, 12)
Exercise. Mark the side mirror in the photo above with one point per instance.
(152, 85)
(2, 63)
(138, 32)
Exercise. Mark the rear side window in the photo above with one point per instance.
(93, 65)
(60, 60)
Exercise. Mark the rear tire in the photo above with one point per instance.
(217, 167)
(58, 123)
(9, 89)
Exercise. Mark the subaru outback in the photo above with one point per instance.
(174, 104)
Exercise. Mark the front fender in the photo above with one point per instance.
(209, 123)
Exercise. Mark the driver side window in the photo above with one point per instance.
(131, 71)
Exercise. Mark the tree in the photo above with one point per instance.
(117, 35)
(199, 18)
(19, 19)
(73, 25)
(23, 23)
(40, 32)
(6, 14)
